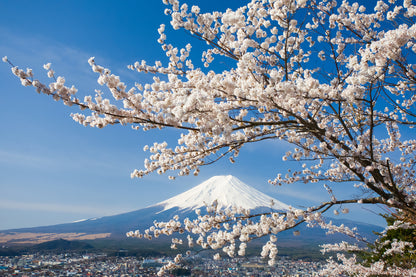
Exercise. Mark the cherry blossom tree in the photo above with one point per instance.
(335, 80)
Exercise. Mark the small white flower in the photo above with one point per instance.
(91, 60)
(4, 59)
(195, 9)
(47, 66)
(50, 73)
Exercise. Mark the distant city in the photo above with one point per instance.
(94, 264)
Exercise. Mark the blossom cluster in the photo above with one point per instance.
(212, 230)
(351, 266)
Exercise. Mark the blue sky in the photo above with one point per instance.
(53, 170)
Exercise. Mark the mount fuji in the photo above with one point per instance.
(227, 190)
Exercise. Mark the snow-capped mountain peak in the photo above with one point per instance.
(227, 190)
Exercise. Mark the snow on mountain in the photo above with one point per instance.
(227, 190)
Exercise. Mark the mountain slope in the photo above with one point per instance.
(226, 190)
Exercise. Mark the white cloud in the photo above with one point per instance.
(56, 208)
(10, 157)
(67, 60)
(304, 195)
(35, 51)
(61, 161)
